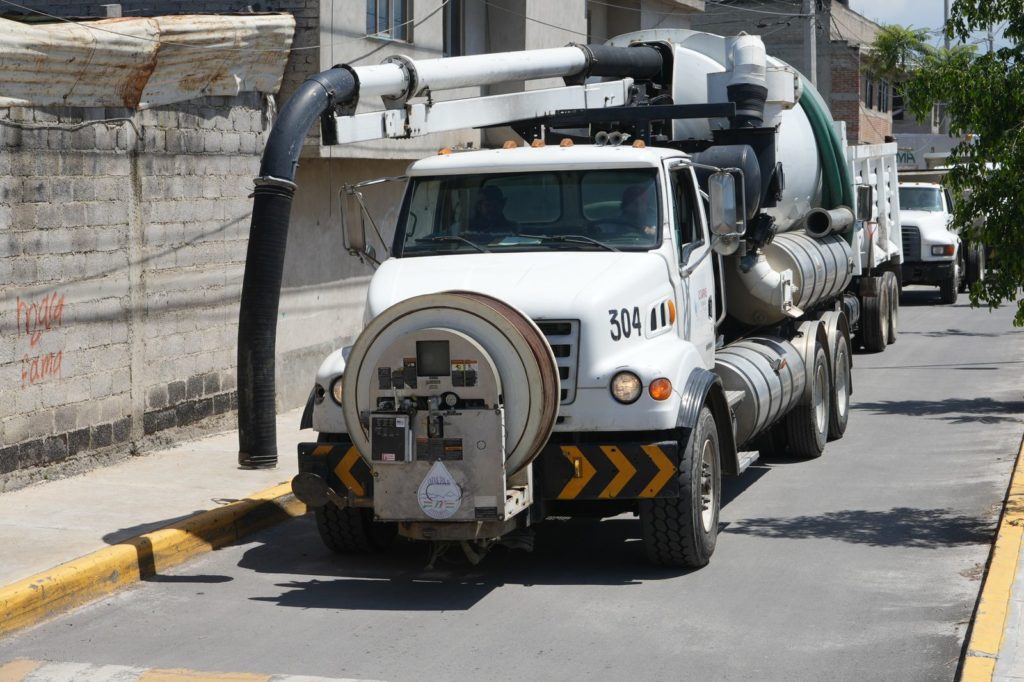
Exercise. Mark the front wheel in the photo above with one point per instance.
(890, 282)
(682, 532)
(949, 288)
(352, 530)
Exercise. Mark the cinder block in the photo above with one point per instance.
(158, 420)
(176, 392)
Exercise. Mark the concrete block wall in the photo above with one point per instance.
(123, 244)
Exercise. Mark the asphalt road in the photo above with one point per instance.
(862, 565)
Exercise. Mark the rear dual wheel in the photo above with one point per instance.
(807, 425)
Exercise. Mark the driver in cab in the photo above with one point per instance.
(489, 213)
(638, 210)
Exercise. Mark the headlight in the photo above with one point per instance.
(626, 387)
(336, 390)
(943, 250)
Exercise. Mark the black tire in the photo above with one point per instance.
(949, 288)
(874, 321)
(682, 532)
(975, 269)
(839, 410)
(893, 318)
(808, 423)
(352, 530)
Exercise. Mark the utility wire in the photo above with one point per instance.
(725, 5)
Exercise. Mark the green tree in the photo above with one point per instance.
(983, 95)
(897, 51)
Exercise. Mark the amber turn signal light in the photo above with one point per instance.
(660, 389)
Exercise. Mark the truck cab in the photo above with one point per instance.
(933, 253)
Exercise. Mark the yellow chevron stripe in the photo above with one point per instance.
(344, 472)
(578, 482)
(322, 450)
(666, 470)
(626, 471)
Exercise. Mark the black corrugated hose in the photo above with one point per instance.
(264, 262)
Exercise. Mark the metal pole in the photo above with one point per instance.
(945, 21)
(991, 39)
(810, 43)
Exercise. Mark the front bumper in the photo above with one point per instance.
(604, 467)
(924, 272)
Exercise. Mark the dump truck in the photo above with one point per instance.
(662, 281)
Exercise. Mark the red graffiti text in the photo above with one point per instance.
(36, 317)
(34, 370)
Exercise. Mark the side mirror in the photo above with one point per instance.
(354, 230)
(722, 196)
(865, 202)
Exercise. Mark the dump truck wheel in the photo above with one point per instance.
(975, 265)
(874, 321)
(892, 284)
(682, 531)
(839, 412)
(808, 424)
(352, 530)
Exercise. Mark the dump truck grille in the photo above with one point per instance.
(564, 338)
(911, 243)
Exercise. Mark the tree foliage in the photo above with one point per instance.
(983, 96)
(897, 51)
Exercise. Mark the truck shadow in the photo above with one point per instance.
(953, 410)
(897, 527)
(569, 552)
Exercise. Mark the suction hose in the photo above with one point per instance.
(837, 189)
(264, 262)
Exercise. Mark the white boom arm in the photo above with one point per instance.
(424, 118)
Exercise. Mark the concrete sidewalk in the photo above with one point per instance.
(49, 524)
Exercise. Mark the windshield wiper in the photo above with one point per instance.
(569, 239)
(452, 239)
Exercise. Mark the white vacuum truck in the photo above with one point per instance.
(662, 284)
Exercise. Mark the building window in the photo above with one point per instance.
(883, 96)
(454, 29)
(389, 19)
(869, 91)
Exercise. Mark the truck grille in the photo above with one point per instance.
(564, 338)
(911, 243)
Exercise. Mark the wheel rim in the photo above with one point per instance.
(894, 305)
(842, 382)
(820, 409)
(707, 485)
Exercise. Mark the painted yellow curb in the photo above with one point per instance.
(994, 604)
(29, 601)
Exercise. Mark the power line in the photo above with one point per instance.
(727, 5)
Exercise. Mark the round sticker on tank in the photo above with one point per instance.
(439, 495)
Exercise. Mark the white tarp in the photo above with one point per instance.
(142, 62)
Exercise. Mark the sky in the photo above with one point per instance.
(915, 13)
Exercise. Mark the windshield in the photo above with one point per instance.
(608, 209)
(920, 199)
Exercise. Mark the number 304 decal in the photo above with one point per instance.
(625, 323)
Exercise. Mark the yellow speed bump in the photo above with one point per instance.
(990, 616)
(82, 580)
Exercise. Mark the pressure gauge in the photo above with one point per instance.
(450, 399)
